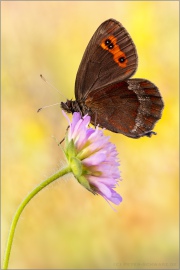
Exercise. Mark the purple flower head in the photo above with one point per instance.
(93, 159)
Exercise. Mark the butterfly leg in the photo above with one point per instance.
(63, 138)
(61, 141)
(95, 120)
(150, 133)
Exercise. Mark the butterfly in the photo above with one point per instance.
(104, 90)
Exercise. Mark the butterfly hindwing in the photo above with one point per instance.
(134, 106)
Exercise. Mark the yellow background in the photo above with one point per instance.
(65, 226)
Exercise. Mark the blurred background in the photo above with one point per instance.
(65, 226)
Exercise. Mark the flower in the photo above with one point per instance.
(92, 158)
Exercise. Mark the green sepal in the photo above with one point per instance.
(84, 182)
(77, 170)
(76, 167)
(70, 150)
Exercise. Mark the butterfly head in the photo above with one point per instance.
(70, 106)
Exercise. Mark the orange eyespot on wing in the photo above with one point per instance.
(110, 44)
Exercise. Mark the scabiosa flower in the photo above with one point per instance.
(93, 161)
(92, 158)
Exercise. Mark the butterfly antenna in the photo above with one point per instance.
(47, 106)
(42, 77)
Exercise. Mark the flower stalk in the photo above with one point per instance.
(21, 208)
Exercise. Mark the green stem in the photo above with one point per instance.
(22, 206)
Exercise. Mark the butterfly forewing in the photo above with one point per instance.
(109, 57)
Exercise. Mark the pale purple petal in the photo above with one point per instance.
(76, 118)
(107, 170)
(110, 182)
(65, 115)
(94, 159)
(104, 189)
(81, 139)
(115, 197)
(75, 132)
(82, 123)
(95, 146)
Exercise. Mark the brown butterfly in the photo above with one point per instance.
(104, 91)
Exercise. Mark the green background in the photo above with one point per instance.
(65, 226)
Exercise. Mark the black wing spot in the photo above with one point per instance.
(109, 44)
(122, 59)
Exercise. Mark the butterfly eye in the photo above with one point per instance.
(122, 59)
